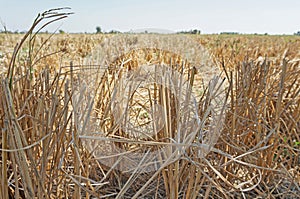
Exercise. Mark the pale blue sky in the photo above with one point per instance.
(210, 16)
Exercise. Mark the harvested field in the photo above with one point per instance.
(149, 116)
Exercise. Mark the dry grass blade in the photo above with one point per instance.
(17, 141)
(40, 18)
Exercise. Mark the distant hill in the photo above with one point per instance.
(152, 30)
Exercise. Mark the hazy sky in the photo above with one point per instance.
(210, 16)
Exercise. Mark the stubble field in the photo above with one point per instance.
(61, 89)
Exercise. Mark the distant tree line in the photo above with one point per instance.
(12, 32)
(99, 31)
(193, 32)
(229, 33)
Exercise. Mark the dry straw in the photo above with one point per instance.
(47, 115)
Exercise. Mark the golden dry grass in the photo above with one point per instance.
(42, 147)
